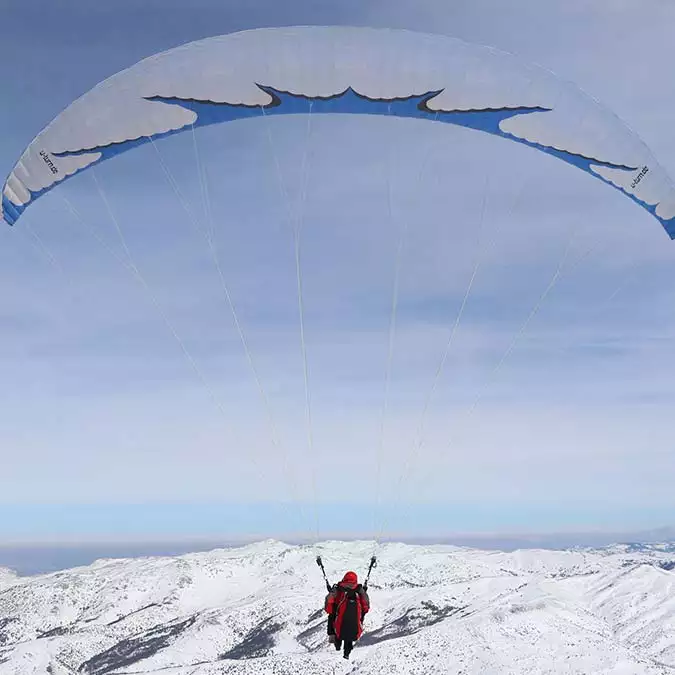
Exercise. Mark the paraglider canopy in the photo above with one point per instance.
(280, 71)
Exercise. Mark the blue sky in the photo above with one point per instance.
(106, 431)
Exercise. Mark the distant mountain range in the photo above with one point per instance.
(39, 558)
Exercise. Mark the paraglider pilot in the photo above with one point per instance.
(346, 605)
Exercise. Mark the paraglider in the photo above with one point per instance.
(346, 604)
(338, 70)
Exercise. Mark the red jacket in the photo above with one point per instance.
(336, 603)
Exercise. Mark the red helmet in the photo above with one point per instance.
(350, 578)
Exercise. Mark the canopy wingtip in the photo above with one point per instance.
(9, 212)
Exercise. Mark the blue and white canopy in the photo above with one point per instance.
(339, 70)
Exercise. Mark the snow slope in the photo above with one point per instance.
(7, 578)
(436, 609)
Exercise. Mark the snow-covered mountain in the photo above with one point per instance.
(436, 609)
(7, 578)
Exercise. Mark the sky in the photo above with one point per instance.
(129, 409)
